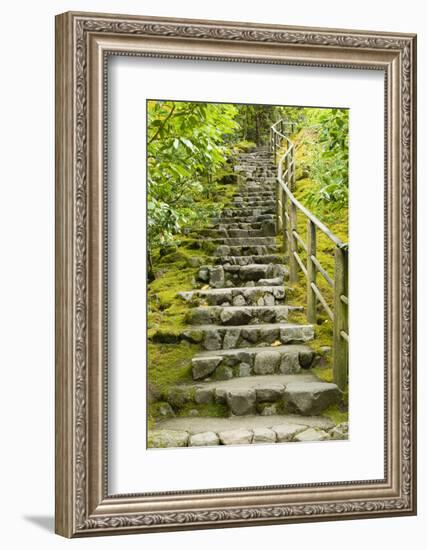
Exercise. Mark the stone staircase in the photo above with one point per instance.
(254, 362)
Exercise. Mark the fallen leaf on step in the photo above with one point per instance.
(276, 343)
(205, 287)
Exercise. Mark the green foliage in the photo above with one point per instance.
(326, 154)
(255, 122)
(186, 149)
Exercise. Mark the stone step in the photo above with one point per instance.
(247, 226)
(257, 177)
(270, 394)
(240, 430)
(261, 164)
(246, 250)
(213, 337)
(259, 185)
(226, 364)
(244, 241)
(254, 163)
(251, 164)
(215, 233)
(247, 212)
(244, 219)
(253, 200)
(237, 296)
(238, 315)
(257, 195)
(222, 276)
(240, 202)
(258, 181)
(246, 260)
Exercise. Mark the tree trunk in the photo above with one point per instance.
(257, 132)
(150, 270)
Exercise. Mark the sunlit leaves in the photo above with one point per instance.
(187, 145)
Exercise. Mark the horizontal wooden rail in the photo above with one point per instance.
(287, 209)
(321, 270)
(300, 263)
(301, 242)
(323, 301)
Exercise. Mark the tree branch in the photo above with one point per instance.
(163, 125)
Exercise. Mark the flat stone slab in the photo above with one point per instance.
(203, 439)
(259, 381)
(194, 425)
(264, 435)
(287, 432)
(312, 435)
(310, 397)
(236, 437)
(168, 438)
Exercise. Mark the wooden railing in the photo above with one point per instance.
(288, 208)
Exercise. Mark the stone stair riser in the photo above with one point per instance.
(237, 296)
(261, 361)
(222, 276)
(229, 316)
(264, 399)
(247, 219)
(220, 337)
(250, 250)
(247, 260)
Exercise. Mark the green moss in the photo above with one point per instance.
(244, 146)
(169, 364)
(324, 373)
(335, 414)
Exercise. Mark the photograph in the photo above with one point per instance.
(247, 274)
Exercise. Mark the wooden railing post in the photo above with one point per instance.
(292, 168)
(293, 265)
(279, 206)
(285, 223)
(274, 147)
(311, 273)
(340, 366)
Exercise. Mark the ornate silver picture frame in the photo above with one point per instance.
(84, 42)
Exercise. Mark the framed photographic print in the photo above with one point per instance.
(235, 274)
